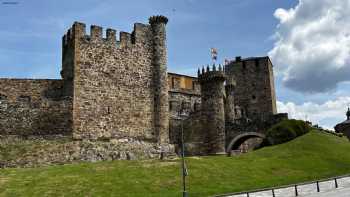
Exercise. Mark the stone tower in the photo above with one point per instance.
(255, 89)
(160, 76)
(119, 87)
(212, 108)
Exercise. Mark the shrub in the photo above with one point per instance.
(285, 131)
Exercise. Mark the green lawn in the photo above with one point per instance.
(312, 156)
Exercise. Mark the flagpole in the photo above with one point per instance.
(184, 194)
(184, 170)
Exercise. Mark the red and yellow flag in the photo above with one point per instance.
(214, 54)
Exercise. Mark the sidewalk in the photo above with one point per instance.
(326, 189)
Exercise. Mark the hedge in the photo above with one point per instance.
(285, 131)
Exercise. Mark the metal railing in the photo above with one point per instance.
(295, 186)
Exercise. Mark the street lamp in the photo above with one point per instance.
(183, 116)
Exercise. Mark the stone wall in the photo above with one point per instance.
(190, 101)
(34, 107)
(255, 90)
(191, 104)
(47, 150)
(184, 91)
(194, 138)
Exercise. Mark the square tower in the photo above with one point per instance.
(119, 87)
(255, 88)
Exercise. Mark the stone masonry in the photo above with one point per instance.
(110, 90)
(116, 95)
(34, 107)
(236, 102)
(118, 88)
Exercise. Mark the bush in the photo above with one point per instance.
(285, 131)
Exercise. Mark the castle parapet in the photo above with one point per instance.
(125, 39)
(210, 75)
(141, 34)
(158, 19)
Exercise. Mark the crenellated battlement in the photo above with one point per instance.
(215, 73)
(158, 19)
(141, 34)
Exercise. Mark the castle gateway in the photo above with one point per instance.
(120, 90)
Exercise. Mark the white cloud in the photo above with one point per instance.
(327, 114)
(312, 48)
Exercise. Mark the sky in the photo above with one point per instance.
(308, 41)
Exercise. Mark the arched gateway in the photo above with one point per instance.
(239, 139)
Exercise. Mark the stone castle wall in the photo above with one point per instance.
(34, 107)
(184, 92)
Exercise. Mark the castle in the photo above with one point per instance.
(120, 89)
(344, 127)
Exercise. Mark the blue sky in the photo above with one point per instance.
(31, 32)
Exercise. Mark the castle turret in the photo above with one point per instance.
(212, 107)
(159, 64)
(229, 101)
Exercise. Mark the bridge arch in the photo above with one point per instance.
(236, 141)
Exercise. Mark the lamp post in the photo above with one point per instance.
(182, 116)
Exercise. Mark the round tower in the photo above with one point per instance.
(229, 101)
(212, 108)
(159, 62)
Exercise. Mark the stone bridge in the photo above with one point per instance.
(242, 131)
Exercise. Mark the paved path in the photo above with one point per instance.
(341, 192)
(327, 189)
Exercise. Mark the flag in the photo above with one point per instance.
(214, 53)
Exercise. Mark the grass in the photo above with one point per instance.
(312, 156)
